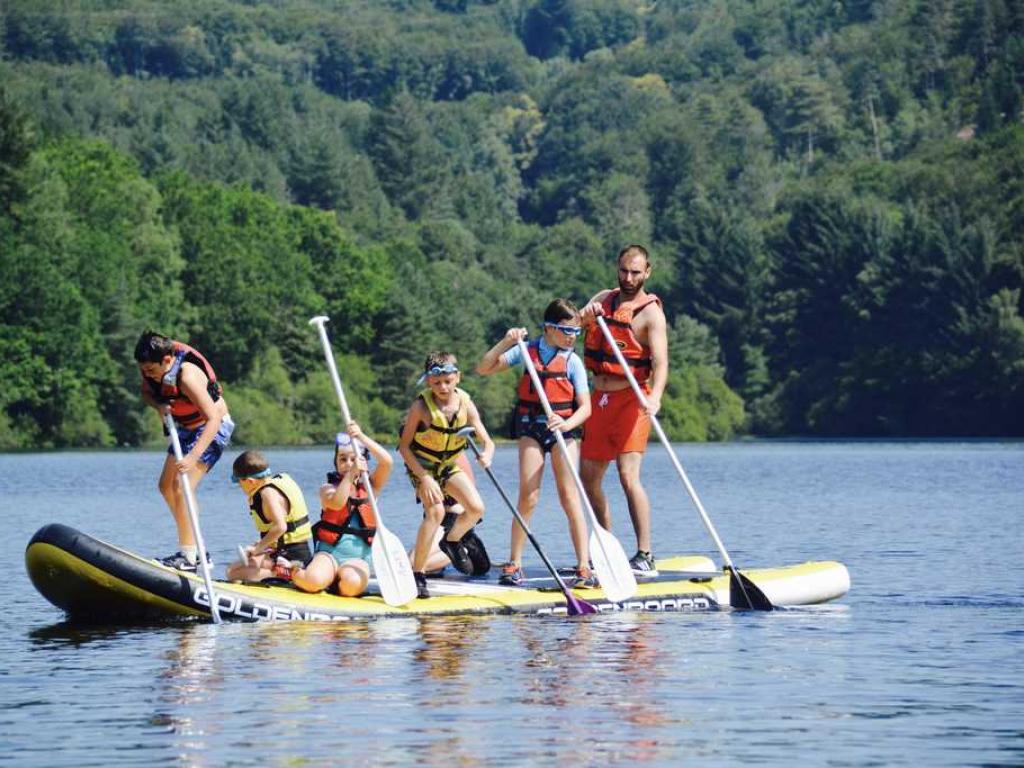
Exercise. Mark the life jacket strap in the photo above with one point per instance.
(609, 357)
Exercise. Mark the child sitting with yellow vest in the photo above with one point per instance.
(430, 444)
(279, 512)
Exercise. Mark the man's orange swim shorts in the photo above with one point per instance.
(617, 424)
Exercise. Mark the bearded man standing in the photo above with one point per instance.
(619, 425)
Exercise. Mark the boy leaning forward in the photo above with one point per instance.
(429, 445)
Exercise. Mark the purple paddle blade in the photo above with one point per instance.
(577, 607)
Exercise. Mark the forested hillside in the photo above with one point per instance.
(833, 195)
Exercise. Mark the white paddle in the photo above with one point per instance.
(193, 519)
(743, 593)
(610, 562)
(390, 561)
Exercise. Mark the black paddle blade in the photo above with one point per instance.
(745, 595)
(577, 607)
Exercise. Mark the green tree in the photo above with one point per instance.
(410, 163)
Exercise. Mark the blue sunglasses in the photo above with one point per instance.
(568, 330)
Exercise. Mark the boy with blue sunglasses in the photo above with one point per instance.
(565, 383)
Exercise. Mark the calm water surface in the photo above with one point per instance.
(921, 664)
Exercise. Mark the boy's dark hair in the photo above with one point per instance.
(249, 463)
(439, 358)
(635, 250)
(559, 310)
(153, 347)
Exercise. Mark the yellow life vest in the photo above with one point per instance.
(297, 518)
(437, 443)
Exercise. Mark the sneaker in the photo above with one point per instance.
(457, 554)
(642, 564)
(511, 575)
(421, 584)
(179, 562)
(582, 578)
(477, 554)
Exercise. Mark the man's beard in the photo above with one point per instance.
(628, 293)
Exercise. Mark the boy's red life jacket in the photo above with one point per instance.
(557, 386)
(599, 357)
(184, 411)
(335, 522)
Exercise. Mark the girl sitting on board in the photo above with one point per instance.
(347, 522)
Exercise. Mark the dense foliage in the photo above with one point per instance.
(833, 194)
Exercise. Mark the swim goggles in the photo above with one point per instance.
(441, 370)
(438, 370)
(255, 476)
(569, 330)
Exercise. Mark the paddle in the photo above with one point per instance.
(193, 519)
(390, 562)
(574, 605)
(613, 569)
(743, 593)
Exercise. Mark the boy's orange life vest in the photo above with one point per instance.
(557, 386)
(335, 522)
(598, 356)
(184, 411)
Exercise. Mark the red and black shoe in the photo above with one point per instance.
(511, 575)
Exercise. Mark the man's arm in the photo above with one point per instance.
(593, 308)
(657, 340)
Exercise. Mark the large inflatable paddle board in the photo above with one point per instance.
(91, 580)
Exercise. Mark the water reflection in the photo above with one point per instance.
(77, 634)
(446, 642)
(599, 675)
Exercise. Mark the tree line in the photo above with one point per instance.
(832, 195)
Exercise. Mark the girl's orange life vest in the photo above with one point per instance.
(600, 358)
(335, 522)
(184, 411)
(557, 386)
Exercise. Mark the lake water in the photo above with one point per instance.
(921, 664)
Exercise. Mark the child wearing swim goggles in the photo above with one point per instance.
(347, 524)
(430, 444)
(279, 513)
(565, 384)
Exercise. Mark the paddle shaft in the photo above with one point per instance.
(664, 441)
(319, 322)
(559, 437)
(519, 519)
(193, 518)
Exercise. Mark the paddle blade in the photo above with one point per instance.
(745, 595)
(577, 607)
(611, 565)
(392, 568)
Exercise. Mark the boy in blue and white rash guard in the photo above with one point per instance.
(564, 378)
